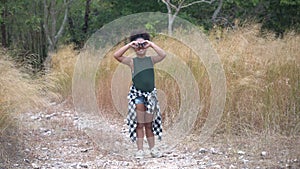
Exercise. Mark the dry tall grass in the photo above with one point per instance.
(63, 62)
(262, 73)
(19, 93)
(263, 81)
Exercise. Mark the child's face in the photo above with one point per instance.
(140, 51)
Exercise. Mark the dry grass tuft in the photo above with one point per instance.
(19, 92)
(63, 63)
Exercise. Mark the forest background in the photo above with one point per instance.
(32, 29)
(257, 40)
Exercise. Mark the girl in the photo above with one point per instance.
(144, 116)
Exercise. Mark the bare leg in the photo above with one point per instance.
(149, 135)
(140, 135)
(140, 111)
(148, 128)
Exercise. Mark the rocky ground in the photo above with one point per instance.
(59, 138)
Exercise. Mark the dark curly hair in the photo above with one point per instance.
(139, 34)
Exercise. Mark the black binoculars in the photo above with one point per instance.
(141, 45)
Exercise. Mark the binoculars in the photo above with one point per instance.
(141, 45)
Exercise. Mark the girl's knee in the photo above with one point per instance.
(140, 125)
(148, 126)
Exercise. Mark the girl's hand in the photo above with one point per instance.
(147, 44)
(133, 44)
(138, 44)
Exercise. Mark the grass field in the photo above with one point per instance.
(262, 77)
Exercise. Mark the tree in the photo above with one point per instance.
(3, 16)
(86, 16)
(217, 11)
(184, 4)
(53, 33)
(278, 16)
(79, 27)
(22, 31)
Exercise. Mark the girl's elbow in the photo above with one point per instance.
(116, 56)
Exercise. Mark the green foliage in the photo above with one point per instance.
(281, 16)
(23, 20)
(290, 2)
(101, 13)
(23, 26)
(276, 15)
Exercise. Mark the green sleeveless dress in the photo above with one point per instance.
(143, 74)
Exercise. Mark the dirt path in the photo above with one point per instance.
(58, 138)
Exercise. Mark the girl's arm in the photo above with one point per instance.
(160, 52)
(119, 55)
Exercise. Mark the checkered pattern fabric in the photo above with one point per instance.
(152, 107)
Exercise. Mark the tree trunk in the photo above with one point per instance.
(170, 25)
(53, 15)
(171, 17)
(50, 15)
(86, 16)
(3, 27)
(217, 11)
(3, 35)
